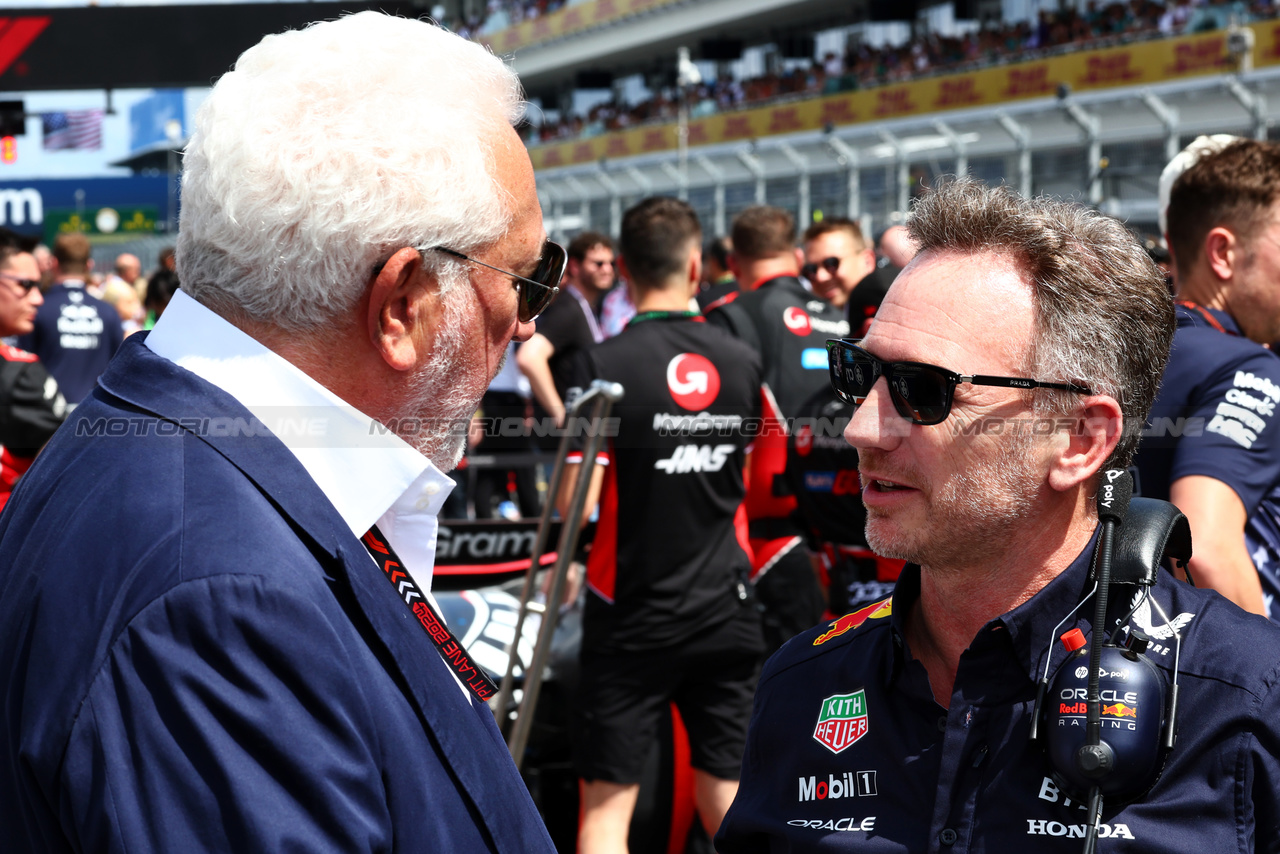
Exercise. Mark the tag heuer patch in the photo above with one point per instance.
(842, 720)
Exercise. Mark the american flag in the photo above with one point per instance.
(78, 129)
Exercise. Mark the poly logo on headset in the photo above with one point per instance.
(797, 321)
(693, 381)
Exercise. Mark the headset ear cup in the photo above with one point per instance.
(1134, 693)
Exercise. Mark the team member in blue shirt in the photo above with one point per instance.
(1212, 444)
(905, 726)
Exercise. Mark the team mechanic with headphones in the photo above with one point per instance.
(1036, 682)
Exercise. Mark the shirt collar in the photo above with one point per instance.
(1188, 316)
(1030, 626)
(368, 473)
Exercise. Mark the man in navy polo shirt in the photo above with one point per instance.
(1212, 445)
(76, 333)
(905, 726)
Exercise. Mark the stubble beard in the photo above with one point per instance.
(444, 395)
(971, 513)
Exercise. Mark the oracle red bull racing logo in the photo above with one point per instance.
(693, 381)
(797, 320)
(850, 621)
(842, 720)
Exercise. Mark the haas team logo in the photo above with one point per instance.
(797, 320)
(693, 381)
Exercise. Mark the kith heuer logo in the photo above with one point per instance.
(797, 320)
(842, 720)
(694, 382)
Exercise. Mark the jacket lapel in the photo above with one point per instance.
(465, 731)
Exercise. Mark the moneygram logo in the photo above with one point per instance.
(804, 440)
(797, 320)
(842, 720)
(693, 381)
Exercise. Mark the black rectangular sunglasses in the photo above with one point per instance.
(831, 265)
(920, 392)
(545, 278)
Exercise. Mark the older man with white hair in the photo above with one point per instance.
(235, 647)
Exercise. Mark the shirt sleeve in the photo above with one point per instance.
(1232, 431)
(31, 406)
(228, 716)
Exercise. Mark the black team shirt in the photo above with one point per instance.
(571, 327)
(669, 555)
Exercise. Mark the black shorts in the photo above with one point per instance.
(622, 696)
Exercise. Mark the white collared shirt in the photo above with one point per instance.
(368, 473)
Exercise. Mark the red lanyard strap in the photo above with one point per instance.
(451, 649)
(1203, 312)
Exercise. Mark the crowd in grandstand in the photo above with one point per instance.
(865, 66)
(500, 14)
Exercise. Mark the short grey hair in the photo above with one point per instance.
(325, 150)
(1104, 316)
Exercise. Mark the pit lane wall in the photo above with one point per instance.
(1136, 64)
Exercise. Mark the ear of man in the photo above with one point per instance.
(1222, 251)
(1088, 445)
(694, 267)
(404, 310)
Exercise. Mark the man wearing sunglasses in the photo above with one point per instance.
(217, 631)
(570, 326)
(1013, 360)
(31, 406)
(75, 334)
(837, 263)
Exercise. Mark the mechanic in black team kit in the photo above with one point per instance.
(789, 327)
(669, 615)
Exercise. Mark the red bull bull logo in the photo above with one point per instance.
(849, 622)
(1120, 710)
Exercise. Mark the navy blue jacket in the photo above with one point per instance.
(196, 654)
(848, 751)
